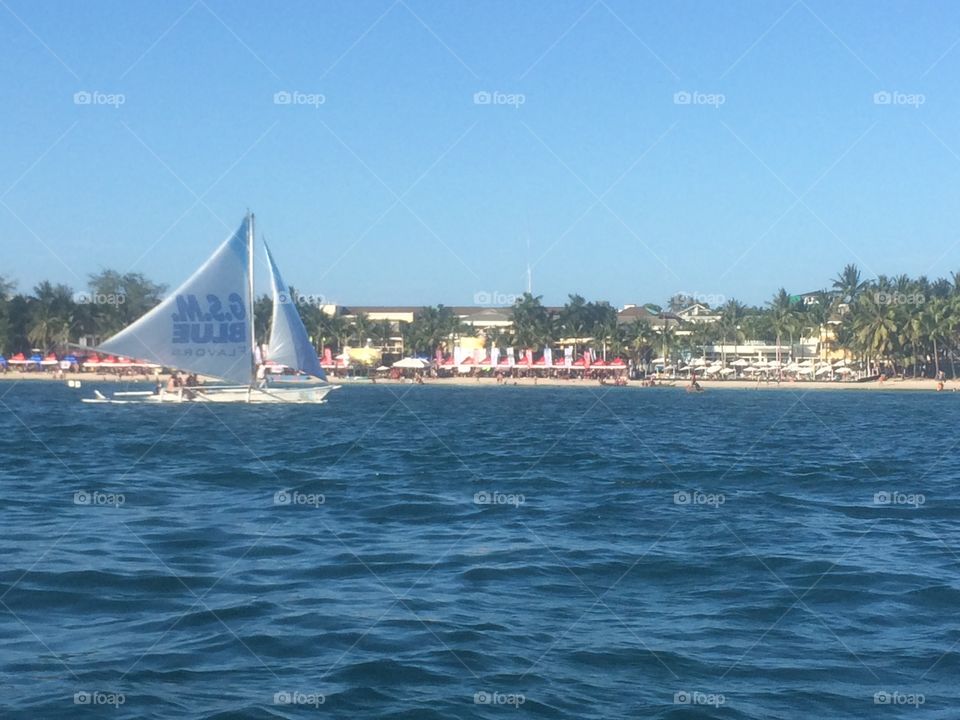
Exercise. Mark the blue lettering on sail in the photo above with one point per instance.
(214, 325)
(237, 307)
(189, 309)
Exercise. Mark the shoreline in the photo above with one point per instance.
(908, 385)
(893, 385)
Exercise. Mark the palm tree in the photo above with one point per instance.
(381, 332)
(574, 319)
(732, 314)
(531, 322)
(51, 315)
(332, 328)
(668, 338)
(361, 327)
(640, 337)
(848, 284)
(875, 328)
(936, 322)
(783, 317)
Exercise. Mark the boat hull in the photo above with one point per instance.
(304, 395)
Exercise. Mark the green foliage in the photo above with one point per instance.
(899, 324)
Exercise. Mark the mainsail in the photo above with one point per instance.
(289, 344)
(204, 325)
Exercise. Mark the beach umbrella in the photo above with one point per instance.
(658, 361)
(727, 371)
(844, 370)
(18, 359)
(36, 359)
(410, 363)
(740, 363)
(617, 362)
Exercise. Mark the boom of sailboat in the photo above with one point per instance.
(205, 327)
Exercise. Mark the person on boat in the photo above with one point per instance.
(173, 383)
(191, 380)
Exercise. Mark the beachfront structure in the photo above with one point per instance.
(657, 321)
(481, 327)
(698, 313)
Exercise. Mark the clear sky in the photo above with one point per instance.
(401, 188)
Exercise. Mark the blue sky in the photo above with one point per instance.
(399, 188)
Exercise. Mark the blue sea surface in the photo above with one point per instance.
(441, 552)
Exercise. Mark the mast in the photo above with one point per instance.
(253, 337)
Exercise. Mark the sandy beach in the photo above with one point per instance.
(914, 385)
(910, 384)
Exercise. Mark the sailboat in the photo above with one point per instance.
(205, 327)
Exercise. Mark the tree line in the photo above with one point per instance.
(894, 324)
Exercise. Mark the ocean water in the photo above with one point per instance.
(432, 552)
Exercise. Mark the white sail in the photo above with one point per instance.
(289, 344)
(204, 325)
